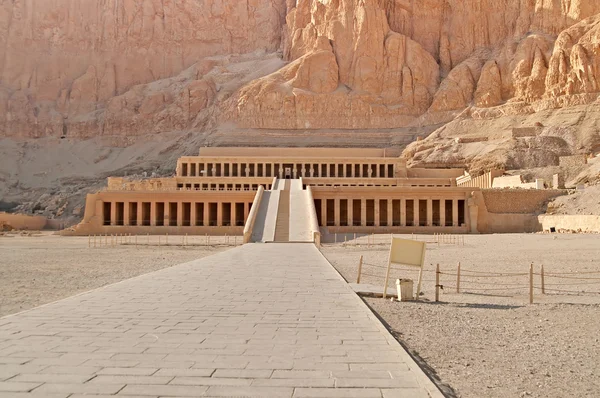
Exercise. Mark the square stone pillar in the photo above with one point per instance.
(377, 213)
(126, 214)
(443, 212)
(219, 214)
(113, 213)
(337, 212)
(234, 213)
(140, 214)
(206, 214)
(390, 212)
(153, 214)
(363, 212)
(350, 212)
(180, 214)
(403, 212)
(416, 218)
(324, 212)
(193, 214)
(429, 212)
(455, 212)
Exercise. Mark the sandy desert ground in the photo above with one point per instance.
(488, 341)
(485, 342)
(39, 269)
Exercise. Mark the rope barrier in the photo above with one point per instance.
(572, 284)
(474, 281)
(483, 290)
(483, 276)
(491, 283)
(572, 273)
(571, 291)
(496, 273)
(570, 277)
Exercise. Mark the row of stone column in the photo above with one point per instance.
(456, 217)
(296, 170)
(178, 214)
(222, 187)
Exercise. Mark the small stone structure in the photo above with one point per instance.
(23, 222)
(572, 162)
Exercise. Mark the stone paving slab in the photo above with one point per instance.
(261, 320)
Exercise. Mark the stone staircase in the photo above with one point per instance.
(282, 226)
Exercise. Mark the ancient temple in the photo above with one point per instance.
(295, 194)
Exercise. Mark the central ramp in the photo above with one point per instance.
(255, 321)
(284, 214)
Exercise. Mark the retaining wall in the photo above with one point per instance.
(570, 222)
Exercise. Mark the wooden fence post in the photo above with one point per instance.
(458, 278)
(531, 283)
(360, 264)
(543, 280)
(437, 283)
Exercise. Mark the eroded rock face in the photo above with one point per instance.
(401, 61)
(575, 63)
(489, 87)
(64, 64)
(79, 68)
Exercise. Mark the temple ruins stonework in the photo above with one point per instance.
(297, 194)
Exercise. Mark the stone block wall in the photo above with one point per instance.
(518, 201)
(574, 223)
(571, 162)
(23, 221)
(519, 132)
(154, 184)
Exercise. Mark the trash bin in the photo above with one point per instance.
(405, 289)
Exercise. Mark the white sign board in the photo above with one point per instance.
(406, 252)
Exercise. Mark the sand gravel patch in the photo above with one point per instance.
(491, 342)
(39, 269)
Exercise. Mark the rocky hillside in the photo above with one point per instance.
(83, 68)
(461, 74)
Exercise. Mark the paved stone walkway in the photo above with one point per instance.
(271, 320)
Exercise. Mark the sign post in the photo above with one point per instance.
(406, 252)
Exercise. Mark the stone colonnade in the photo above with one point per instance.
(285, 169)
(180, 213)
(221, 187)
(389, 212)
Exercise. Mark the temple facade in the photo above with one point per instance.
(289, 193)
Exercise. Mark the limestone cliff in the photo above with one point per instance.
(83, 69)
(78, 67)
(404, 63)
